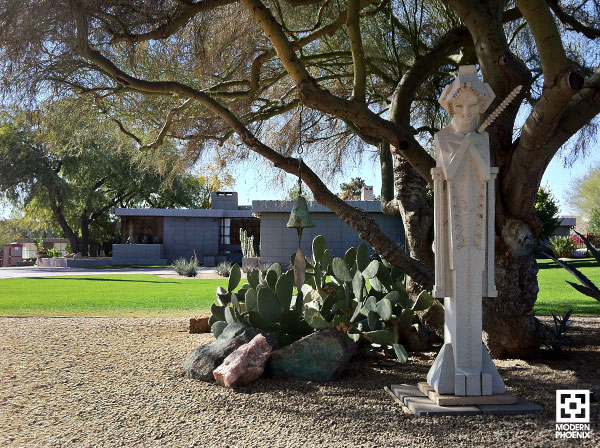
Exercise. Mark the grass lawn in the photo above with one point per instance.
(107, 295)
(149, 295)
(558, 296)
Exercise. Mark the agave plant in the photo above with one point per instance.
(586, 287)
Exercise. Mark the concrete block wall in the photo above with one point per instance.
(183, 236)
(278, 243)
(138, 254)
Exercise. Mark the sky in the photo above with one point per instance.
(252, 186)
(258, 182)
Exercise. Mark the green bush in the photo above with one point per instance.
(562, 246)
(187, 268)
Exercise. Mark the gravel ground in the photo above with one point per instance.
(119, 382)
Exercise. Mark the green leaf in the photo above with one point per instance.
(212, 320)
(251, 299)
(234, 301)
(393, 297)
(276, 267)
(383, 275)
(229, 318)
(319, 245)
(218, 328)
(326, 259)
(253, 278)
(386, 263)
(340, 270)
(372, 320)
(378, 285)
(424, 301)
(362, 256)
(218, 311)
(316, 320)
(268, 305)
(234, 277)
(284, 288)
(381, 337)
(350, 257)
(358, 285)
(371, 270)
(384, 309)
(400, 353)
(403, 299)
(257, 321)
(293, 323)
(369, 305)
(272, 279)
(328, 305)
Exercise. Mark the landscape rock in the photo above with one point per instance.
(320, 356)
(244, 365)
(77, 255)
(206, 358)
(199, 325)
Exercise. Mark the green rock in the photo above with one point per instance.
(320, 356)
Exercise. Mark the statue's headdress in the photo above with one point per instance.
(467, 79)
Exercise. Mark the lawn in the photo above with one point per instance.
(558, 296)
(107, 295)
(149, 295)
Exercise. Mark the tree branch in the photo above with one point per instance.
(361, 221)
(167, 125)
(358, 55)
(313, 96)
(587, 31)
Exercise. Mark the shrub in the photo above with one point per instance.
(556, 336)
(562, 246)
(185, 267)
(224, 269)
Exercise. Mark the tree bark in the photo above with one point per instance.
(64, 225)
(510, 326)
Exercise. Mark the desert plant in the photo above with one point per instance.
(247, 243)
(557, 334)
(223, 269)
(185, 267)
(562, 246)
(334, 295)
(54, 253)
(587, 287)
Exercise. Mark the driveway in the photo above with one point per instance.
(32, 271)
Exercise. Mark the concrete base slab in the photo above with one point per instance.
(466, 400)
(416, 402)
(522, 406)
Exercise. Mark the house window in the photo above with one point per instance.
(230, 230)
(142, 229)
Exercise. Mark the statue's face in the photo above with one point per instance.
(466, 111)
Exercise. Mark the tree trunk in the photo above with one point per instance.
(85, 236)
(64, 225)
(511, 329)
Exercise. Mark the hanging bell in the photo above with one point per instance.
(299, 216)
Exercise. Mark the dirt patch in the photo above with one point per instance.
(119, 382)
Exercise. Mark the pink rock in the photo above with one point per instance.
(244, 365)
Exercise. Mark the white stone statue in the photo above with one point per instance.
(464, 240)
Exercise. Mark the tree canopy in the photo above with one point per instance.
(584, 198)
(65, 169)
(367, 72)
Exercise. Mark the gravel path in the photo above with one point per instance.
(119, 382)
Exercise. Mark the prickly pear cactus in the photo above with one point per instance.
(364, 298)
